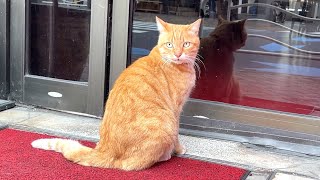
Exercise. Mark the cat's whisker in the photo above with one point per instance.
(198, 68)
(191, 60)
(166, 60)
(198, 59)
(198, 55)
(191, 57)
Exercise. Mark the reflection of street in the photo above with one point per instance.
(149, 30)
(279, 78)
(268, 77)
(78, 5)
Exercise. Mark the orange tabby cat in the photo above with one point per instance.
(141, 120)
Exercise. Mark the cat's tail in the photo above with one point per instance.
(75, 152)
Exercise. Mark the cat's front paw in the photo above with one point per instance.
(180, 149)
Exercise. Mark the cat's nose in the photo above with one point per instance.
(177, 54)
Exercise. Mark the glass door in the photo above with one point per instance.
(59, 52)
(264, 87)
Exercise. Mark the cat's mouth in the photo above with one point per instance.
(175, 60)
(179, 61)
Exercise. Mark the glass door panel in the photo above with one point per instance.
(60, 39)
(61, 57)
(276, 69)
(273, 74)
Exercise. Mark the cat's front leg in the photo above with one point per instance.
(179, 148)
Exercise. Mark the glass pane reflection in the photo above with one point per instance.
(59, 39)
(276, 68)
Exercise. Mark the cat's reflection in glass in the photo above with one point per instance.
(217, 81)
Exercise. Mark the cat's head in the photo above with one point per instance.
(231, 34)
(178, 44)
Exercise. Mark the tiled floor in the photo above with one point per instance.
(265, 163)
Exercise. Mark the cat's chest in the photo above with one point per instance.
(186, 79)
(191, 79)
(180, 81)
(181, 90)
(184, 86)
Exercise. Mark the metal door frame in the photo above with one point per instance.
(119, 39)
(4, 49)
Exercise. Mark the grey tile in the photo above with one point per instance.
(284, 176)
(66, 124)
(17, 114)
(254, 159)
(3, 126)
(258, 176)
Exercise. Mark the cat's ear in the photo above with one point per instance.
(162, 26)
(194, 27)
(242, 22)
(220, 20)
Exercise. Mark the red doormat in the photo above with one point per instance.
(18, 160)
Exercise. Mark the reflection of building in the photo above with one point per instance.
(64, 42)
(308, 8)
(84, 4)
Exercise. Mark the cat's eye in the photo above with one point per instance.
(186, 44)
(169, 45)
